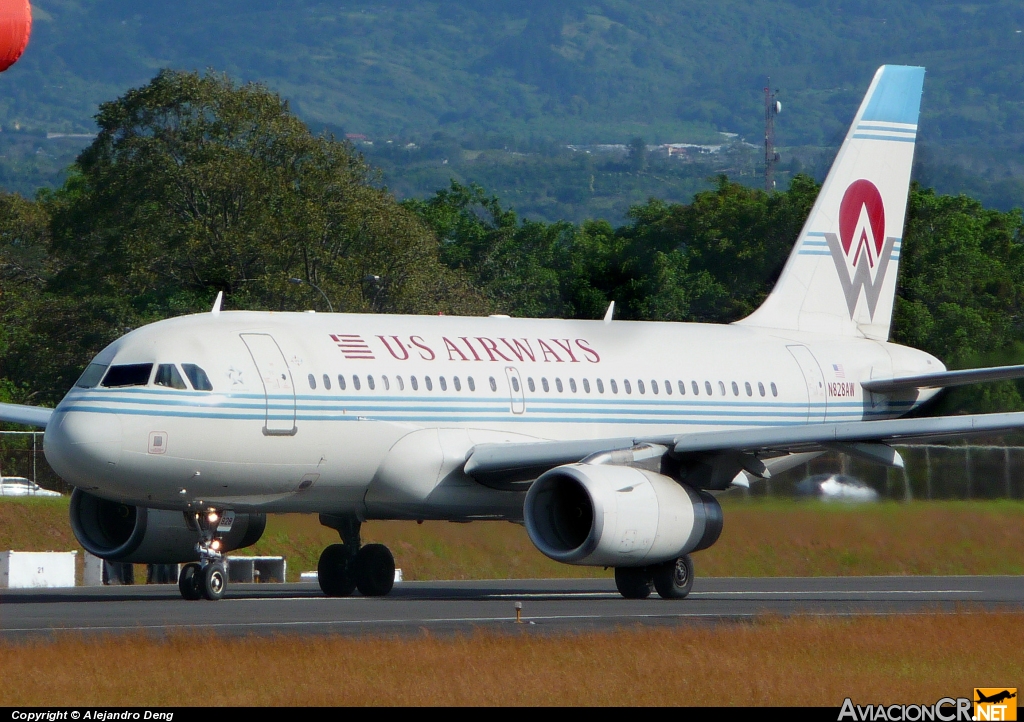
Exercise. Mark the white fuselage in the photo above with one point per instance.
(375, 414)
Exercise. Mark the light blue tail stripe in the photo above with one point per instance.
(897, 97)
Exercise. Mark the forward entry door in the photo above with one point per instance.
(515, 390)
(278, 387)
(816, 400)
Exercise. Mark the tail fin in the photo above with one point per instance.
(840, 278)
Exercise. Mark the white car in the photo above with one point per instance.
(20, 486)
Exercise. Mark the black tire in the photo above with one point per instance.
(334, 571)
(374, 570)
(214, 581)
(674, 579)
(633, 582)
(188, 582)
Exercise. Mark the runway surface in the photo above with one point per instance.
(556, 605)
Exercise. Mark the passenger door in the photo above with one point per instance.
(815, 380)
(278, 387)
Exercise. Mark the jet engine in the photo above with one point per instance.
(123, 533)
(618, 516)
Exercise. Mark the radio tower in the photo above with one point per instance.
(772, 107)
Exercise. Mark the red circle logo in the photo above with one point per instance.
(862, 201)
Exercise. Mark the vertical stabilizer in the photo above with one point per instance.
(840, 278)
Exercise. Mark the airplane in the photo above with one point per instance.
(607, 439)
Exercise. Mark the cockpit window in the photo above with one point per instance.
(91, 376)
(200, 381)
(167, 375)
(127, 375)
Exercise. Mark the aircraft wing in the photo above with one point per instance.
(517, 462)
(945, 378)
(27, 415)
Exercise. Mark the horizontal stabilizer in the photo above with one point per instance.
(27, 415)
(943, 379)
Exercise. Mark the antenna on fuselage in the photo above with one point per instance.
(216, 304)
(610, 312)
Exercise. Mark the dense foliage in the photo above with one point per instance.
(197, 185)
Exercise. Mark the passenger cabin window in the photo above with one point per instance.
(760, 388)
(91, 376)
(415, 383)
(572, 385)
(355, 382)
(341, 382)
(721, 387)
(444, 384)
(615, 386)
(515, 384)
(682, 388)
(401, 384)
(695, 387)
(327, 382)
(600, 386)
(529, 382)
(707, 388)
(654, 386)
(544, 383)
(494, 386)
(558, 385)
(167, 375)
(625, 385)
(746, 386)
(458, 384)
(428, 383)
(472, 383)
(735, 389)
(369, 382)
(128, 375)
(775, 391)
(668, 387)
(312, 382)
(640, 386)
(387, 384)
(200, 381)
(586, 385)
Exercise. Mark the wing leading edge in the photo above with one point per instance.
(27, 415)
(489, 463)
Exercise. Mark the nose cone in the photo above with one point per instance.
(82, 447)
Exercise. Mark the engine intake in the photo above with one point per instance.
(123, 533)
(618, 516)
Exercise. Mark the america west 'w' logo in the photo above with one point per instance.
(861, 245)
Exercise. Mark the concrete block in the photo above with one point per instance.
(24, 570)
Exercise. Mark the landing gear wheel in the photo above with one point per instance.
(188, 582)
(674, 579)
(214, 581)
(374, 570)
(633, 582)
(334, 571)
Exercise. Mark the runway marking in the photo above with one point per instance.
(441, 620)
(615, 595)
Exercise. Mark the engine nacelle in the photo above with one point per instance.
(618, 516)
(123, 533)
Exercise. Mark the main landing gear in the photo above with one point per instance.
(672, 579)
(348, 566)
(207, 578)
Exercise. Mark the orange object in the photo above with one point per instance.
(15, 27)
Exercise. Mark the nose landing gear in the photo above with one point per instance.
(345, 567)
(207, 578)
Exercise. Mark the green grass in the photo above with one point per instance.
(762, 537)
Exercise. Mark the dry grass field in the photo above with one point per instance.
(795, 661)
(761, 538)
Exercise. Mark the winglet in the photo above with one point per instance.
(216, 304)
(610, 312)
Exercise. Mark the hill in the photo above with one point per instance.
(507, 74)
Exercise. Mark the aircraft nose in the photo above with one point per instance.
(83, 447)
